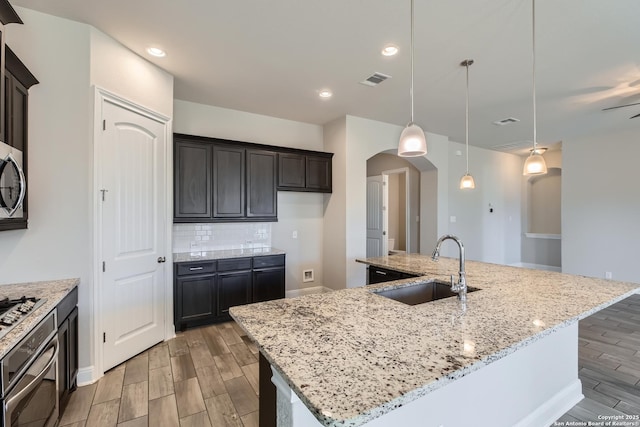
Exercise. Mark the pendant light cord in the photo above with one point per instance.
(533, 54)
(411, 48)
(467, 119)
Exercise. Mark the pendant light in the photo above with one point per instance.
(412, 140)
(467, 182)
(535, 164)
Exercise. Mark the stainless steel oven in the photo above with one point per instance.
(29, 378)
(13, 185)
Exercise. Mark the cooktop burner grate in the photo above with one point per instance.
(13, 311)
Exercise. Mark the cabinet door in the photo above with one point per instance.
(268, 284)
(233, 289)
(192, 180)
(261, 184)
(291, 171)
(63, 361)
(73, 349)
(318, 173)
(228, 182)
(194, 300)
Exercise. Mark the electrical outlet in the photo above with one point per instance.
(294, 235)
(608, 275)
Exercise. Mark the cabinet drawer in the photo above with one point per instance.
(234, 264)
(268, 261)
(186, 268)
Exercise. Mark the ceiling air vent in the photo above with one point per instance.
(506, 121)
(375, 79)
(513, 147)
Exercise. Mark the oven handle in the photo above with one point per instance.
(33, 384)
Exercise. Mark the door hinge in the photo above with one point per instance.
(104, 266)
(104, 337)
(104, 125)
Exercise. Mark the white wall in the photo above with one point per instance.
(488, 236)
(120, 71)
(57, 243)
(601, 205)
(67, 58)
(301, 212)
(335, 228)
(491, 237)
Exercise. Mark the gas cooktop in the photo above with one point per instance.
(13, 311)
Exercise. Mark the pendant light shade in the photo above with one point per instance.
(467, 182)
(535, 164)
(412, 143)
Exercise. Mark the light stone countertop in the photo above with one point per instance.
(226, 253)
(53, 291)
(352, 356)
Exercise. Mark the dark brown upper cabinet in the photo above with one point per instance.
(228, 182)
(304, 172)
(217, 180)
(192, 179)
(261, 184)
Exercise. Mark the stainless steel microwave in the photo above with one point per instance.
(13, 185)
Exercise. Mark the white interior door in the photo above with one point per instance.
(376, 216)
(132, 181)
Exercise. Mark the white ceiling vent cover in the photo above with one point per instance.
(506, 121)
(517, 146)
(375, 79)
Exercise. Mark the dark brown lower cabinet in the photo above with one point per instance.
(268, 393)
(379, 275)
(234, 288)
(204, 291)
(195, 300)
(267, 284)
(67, 347)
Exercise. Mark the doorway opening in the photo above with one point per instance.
(393, 206)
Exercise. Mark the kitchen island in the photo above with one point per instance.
(508, 358)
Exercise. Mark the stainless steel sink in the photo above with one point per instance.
(422, 292)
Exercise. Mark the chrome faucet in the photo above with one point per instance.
(461, 287)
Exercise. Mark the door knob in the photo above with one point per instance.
(161, 259)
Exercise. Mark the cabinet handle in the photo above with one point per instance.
(195, 268)
(381, 272)
(225, 311)
(161, 259)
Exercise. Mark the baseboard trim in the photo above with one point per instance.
(307, 291)
(555, 407)
(86, 376)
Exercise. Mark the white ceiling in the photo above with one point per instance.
(272, 57)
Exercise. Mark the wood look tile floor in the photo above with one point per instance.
(204, 377)
(609, 364)
(208, 377)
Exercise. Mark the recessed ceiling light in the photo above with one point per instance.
(156, 51)
(325, 94)
(389, 50)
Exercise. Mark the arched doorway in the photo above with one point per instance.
(401, 204)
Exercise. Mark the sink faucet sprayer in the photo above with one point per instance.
(461, 287)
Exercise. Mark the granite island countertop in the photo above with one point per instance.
(53, 291)
(225, 253)
(352, 356)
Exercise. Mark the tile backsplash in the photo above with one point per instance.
(212, 237)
